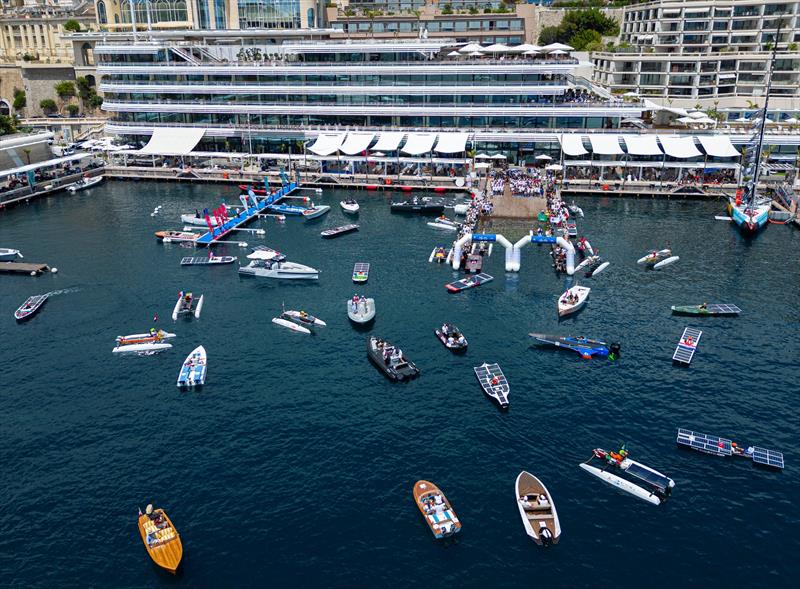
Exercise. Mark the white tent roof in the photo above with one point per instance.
(557, 52)
(327, 143)
(543, 156)
(453, 54)
(605, 144)
(497, 48)
(482, 156)
(452, 142)
(470, 48)
(388, 141)
(357, 142)
(680, 147)
(44, 164)
(525, 47)
(718, 146)
(642, 145)
(419, 143)
(498, 156)
(557, 47)
(172, 141)
(572, 145)
(698, 114)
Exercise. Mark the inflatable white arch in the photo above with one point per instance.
(458, 247)
(567, 245)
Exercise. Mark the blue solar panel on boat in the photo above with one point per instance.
(647, 475)
(704, 442)
(767, 457)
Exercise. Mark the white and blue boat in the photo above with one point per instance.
(193, 371)
(749, 216)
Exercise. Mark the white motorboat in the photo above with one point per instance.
(144, 338)
(193, 371)
(461, 209)
(84, 183)
(658, 485)
(362, 311)
(190, 219)
(272, 264)
(145, 349)
(349, 205)
(187, 304)
(443, 223)
(573, 300)
(575, 209)
(537, 510)
(8, 255)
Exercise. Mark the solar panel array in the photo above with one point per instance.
(767, 457)
(684, 353)
(644, 473)
(704, 442)
(725, 308)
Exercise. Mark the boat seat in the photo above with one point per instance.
(537, 507)
(539, 516)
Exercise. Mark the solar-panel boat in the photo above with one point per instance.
(717, 446)
(640, 480)
(470, 282)
(494, 383)
(360, 272)
(583, 345)
(706, 309)
(31, 305)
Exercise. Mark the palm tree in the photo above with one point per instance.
(27, 153)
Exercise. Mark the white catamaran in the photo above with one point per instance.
(656, 488)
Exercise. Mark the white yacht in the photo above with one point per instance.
(270, 264)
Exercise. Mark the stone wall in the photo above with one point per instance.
(10, 78)
(39, 82)
(551, 17)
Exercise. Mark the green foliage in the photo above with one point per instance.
(73, 26)
(83, 87)
(73, 110)
(448, 9)
(576, 22)
(473, 10)
(584, 38)
(48, 105)
(95, 101)
(65, 89)
(20, 99)
(8, 125)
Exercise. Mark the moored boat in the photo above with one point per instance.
(349, 205)
(8, 255)
(494, 383)
(30, 307)
(721, 309)
(573, 300)
(84, 183)
(196, 219)
(360, 272)
(168, 236)
(315, 211)
(271, 264)
(436, 509)
(161, 539)
(650, 485)
(390, 359)
(583, 345)
(193, 371)
(537, 510)
(451, 337)
(336, 231)
(360, 310)
(749, 216)
(418, 205)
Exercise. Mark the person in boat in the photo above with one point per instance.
(303, 315)
(704, 306)
(495, 380)
(450, 340)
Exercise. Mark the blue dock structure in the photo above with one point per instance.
(246, 215)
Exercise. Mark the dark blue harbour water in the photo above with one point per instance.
(294, 465)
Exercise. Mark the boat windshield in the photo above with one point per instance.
(650, 476)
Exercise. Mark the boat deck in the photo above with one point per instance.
(684, 352)
(23, 267)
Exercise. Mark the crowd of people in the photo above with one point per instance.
(530, 182)
(681, 177)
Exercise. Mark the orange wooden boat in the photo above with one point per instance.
(436, 509)
(161, 539)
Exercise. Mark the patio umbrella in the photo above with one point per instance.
(557, 52)
(532, 52)
(482, 156)
(543, 157)
(498, 156)
(697, 114)
(557, 47)
(470, 48)
(475, 54)
(523, 48)
(454, 54)
(497, 48)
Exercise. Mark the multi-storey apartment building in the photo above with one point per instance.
(706, 51)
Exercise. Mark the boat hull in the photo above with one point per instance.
(622, 484)
(749, 222)
(443, 524)
(167, 555)
(527, 483)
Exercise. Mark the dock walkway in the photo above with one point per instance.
(23, 268)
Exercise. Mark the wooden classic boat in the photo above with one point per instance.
(169, 236)
(29, 308)
(436, 509)
(390, 359)
(537, 510)
(573, 300)
(161, 539)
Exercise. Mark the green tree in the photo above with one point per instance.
(7, 125)
(20, 99)
(579, 21)
(548, 35)
(65, 89)
(73, 110)
(27, 152)
(584, 38)
(95, 101)
(83, 87)
(48, 105)
(73, 26)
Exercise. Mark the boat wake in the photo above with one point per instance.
(63, 291)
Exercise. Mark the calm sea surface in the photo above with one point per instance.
(294, 464)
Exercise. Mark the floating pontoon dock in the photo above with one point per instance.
(23, 268)
(245, 216)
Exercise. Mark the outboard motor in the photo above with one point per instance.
(614, 348)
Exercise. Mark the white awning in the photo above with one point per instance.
(680, 147)
(327, 143)
(452, 142)
(605, 144)
(419, 143)
(357, 143)
(172, 141)
(46, 164)
(388, 142)
(718, 146)
(642, 145)
(572, 145)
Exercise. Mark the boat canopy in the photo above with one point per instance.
(327, 143)
(679, 147)
(419, 143)
(357, 143)
(388, 141)
(452, 142)
(606, 144)
(172, 141)
(640, 471)
(718, 146)
(572, 145)
(642, 145)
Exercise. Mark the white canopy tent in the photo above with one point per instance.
(357, 143)
(452, 142)
(679, 147)
(497, 48)
(470, 48)
(543, 157)
(327, 143)
(572, 145)
(718, 146)
(388, 141)
(172, 141)
(524, 47)
(605, 144)
(419, 143)
(557, 47)
(642, 145)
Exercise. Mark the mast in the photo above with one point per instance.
(753, 184)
